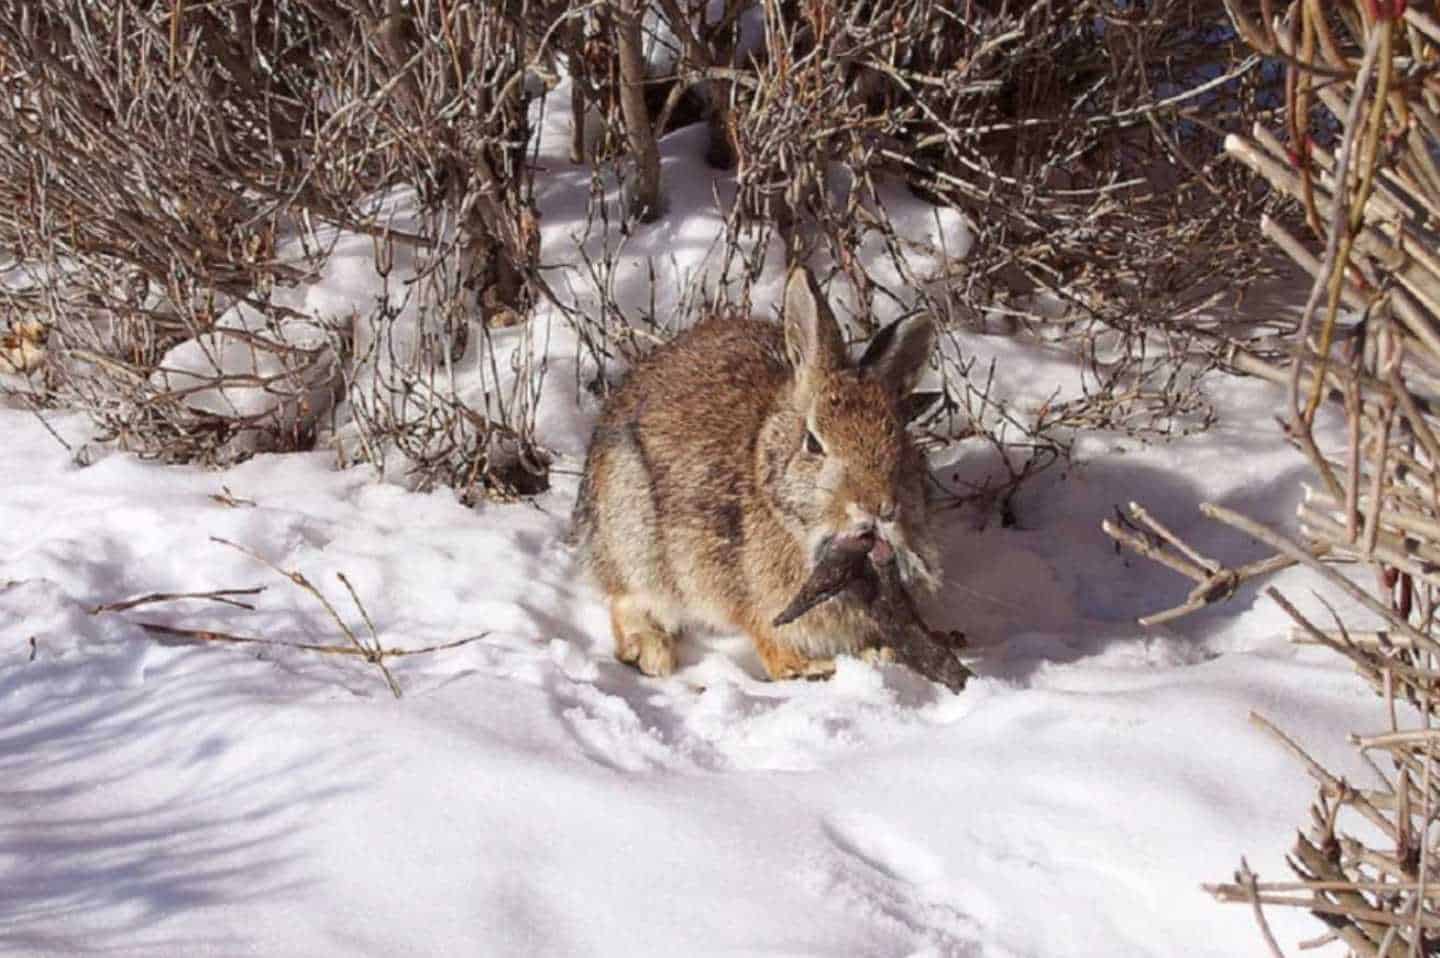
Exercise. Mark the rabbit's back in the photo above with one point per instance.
(670, 472)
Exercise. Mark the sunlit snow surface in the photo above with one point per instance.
(530, 796)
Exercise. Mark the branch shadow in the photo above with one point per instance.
(1056, 589)
(125, 808)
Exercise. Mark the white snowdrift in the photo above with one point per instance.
(248, 368)
(529, 795)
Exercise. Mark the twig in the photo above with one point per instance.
(211, 635)
(1246, 878)
(1332, 784)
(1139, 513)
(219, 595)
(1215, 583)
(1286, 547)
(227, 498)
(375, 655)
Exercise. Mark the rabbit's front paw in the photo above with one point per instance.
(651, 651)
(783, 662)
(657, 654)
(877, 655)
(639, 639)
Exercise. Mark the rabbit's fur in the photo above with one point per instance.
(729, 458)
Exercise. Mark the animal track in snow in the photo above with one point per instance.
(903, 884)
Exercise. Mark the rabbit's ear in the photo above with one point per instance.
(917, 404)
(897, 354)
(812, 337)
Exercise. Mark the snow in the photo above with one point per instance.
(530, 795)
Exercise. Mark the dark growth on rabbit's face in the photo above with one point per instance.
(836, 462)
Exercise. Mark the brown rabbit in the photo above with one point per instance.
(730, 458)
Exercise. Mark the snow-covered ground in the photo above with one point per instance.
(530, 796)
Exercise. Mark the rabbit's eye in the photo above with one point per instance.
(812, 445)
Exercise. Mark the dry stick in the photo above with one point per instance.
(1151, 551)
(1255, 366)
(1256, 36)
(1380, 639)
(1381, 442)
(374, 636)
(1402, 808)
(1285, 546)
(354, 597)
(1418, 424)
(1140, 514)
(1354, 417)
(227, 498)
(1391, 934)
(375, 656)
(645, 203)
(1389, 552)
(1362, 934)
(219, 595)
(1319, 941)
(1403, 254)
(1417, 175)
(1214, 582)
(1324, 885)
(1402, 520)
(1427, 806)
(1391, 739)
(1355, 855)
(1337, 247)
(1426, 815)
(1235, 893)
(1415, 481)
(1274, 886)
(1218, 587)
(1307, 261)
(1401, 799)
(1411, 673)
(1383, 205)
(210, 635)
(1330, 782)
(1380, 40)
(1403, 550)
(1388, 689)
(1423, 22)
(1247, 879)
(1315, 634)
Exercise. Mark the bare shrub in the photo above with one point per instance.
(161, 165)
(179, 174)
(1356, 151)
(1081, 138)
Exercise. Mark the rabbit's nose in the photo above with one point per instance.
(888, 511)
(862, 520)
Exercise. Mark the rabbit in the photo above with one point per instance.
(728, 460)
